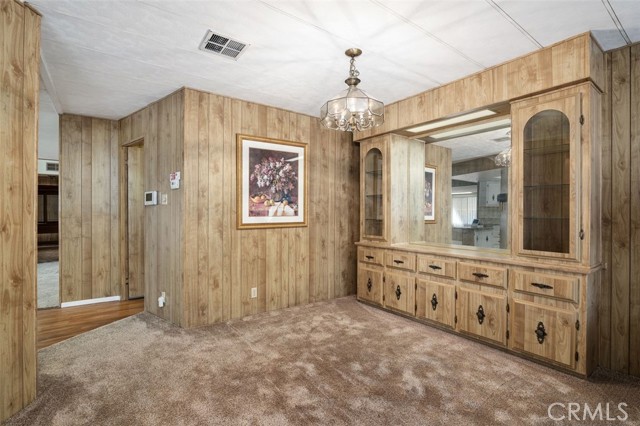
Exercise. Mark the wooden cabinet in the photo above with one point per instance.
(392, 183)
(435, 301)
(482, 314)
(555, 185)
(372, 256)
(370, 284)
(544, 331)
(437, 266)
(482, 274)
(399, 292)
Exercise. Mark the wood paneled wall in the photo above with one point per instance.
(573, 60)
(160, 128)
(441, 230)
(89, 208)
(193, 250)
(289, 266)
(19, 71)
(620, 290)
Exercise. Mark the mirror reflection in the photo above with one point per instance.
(474, 183)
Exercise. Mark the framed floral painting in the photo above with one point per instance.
(429, 194)
(272, 183)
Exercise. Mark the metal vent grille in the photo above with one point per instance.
(53, 167)
(222, 45)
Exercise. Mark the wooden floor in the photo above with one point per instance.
(56, 325)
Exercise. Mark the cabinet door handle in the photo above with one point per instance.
(480, 314)
(435, 267)
(369, 284)
(398, 262)
(369, 257)
(480, 275)
(542, 286)
(541, 333)
(434, 301)
(398, 292)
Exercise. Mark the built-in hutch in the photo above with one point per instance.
(536, 295)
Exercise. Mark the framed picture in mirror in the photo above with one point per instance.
(430, 200)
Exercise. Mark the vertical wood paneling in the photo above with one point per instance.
(634, 244)
(31, 100)
(604, 308)
(100, 208)
(620, 180)
(19, 54)
(223, 263)
(89, 208)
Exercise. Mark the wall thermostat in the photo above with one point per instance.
(151, 198)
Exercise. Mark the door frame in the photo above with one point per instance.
(124, 216)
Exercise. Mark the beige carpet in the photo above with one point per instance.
(337, 362)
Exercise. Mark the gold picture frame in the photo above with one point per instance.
(271, 183)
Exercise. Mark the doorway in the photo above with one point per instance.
(134, 219)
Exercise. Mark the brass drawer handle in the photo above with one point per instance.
(398, 262)
(480, 275)
(398, 292)
(435, 267)
(540, 332)
(369, 284)
(543, 286)
(434, 301)
(369, 257)
(480, 314)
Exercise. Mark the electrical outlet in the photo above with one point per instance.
(164, 199)
(254, 292)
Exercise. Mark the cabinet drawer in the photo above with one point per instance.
(399, 292)
(482, 314)
(545, 332)
(370, 284)
(434, 266)
(559, 287)
(369, 255)
(436, 302)
(480, 274)
(400, 260)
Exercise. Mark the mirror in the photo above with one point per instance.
(472, 187)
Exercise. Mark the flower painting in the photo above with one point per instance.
(271, 182)
(429, 194)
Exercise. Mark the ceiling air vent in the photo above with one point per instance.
(222, 45)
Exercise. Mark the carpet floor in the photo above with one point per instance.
(48, 284)
(336, 362)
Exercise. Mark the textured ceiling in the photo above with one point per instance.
(108, 58)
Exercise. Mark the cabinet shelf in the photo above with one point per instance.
(545, 150)
(547, 185)
(374, 173)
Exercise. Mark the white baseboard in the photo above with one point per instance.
(90, 301)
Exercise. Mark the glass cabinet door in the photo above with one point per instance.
(373, 194)
(548, 199)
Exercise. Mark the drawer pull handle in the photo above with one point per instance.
(369, 284)
(398, 292)
(434, 301)
(398, 262)
(540, 332)
(480, 275)
(369, 257)
(542, 286)
(435, 267)
(480, 314)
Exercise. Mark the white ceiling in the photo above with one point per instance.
(108, 58)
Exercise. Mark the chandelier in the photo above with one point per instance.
(503, 159)
(352, 109)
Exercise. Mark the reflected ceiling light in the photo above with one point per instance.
(450, 121)
(476, 128)
(352, 109)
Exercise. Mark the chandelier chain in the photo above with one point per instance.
(353, 72)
